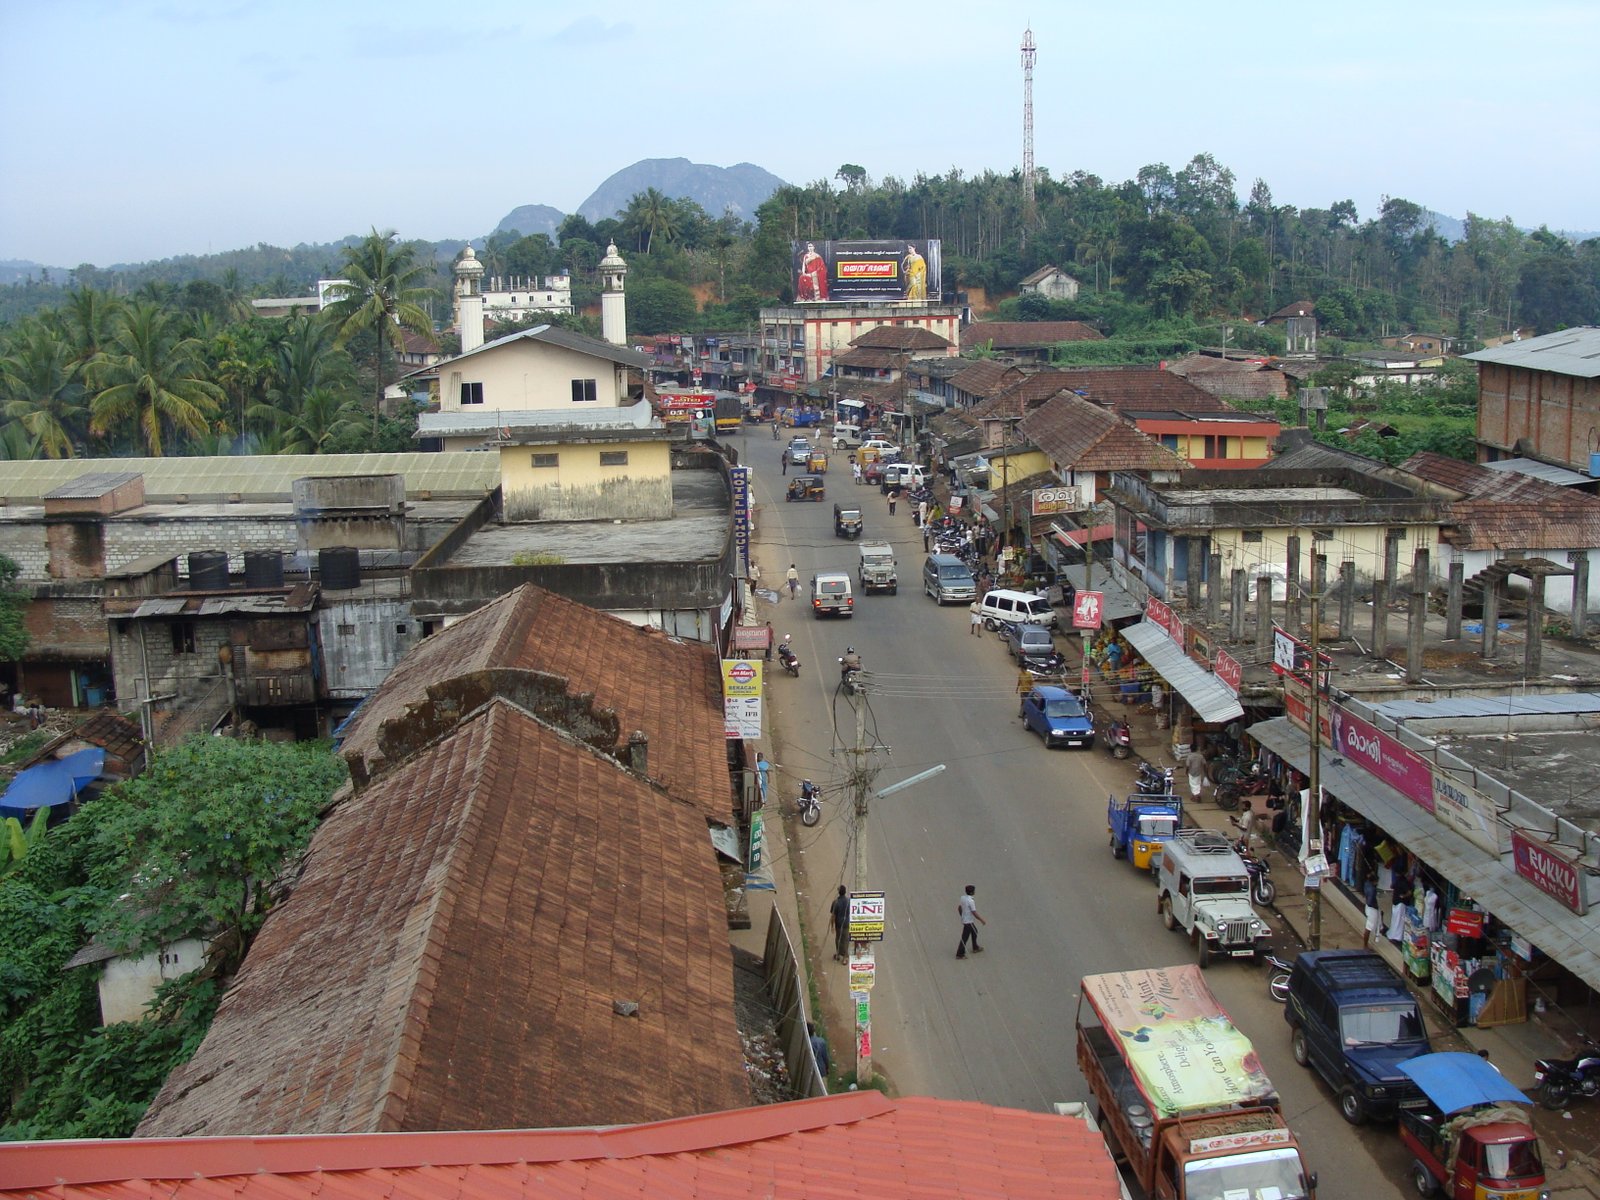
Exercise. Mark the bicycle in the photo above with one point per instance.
(1278, 981)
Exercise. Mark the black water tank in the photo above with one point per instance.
(339, 567)
(263, 568)
(208, 571)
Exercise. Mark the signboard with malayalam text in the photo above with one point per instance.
(1045, 502)
(1087, 610)
(871, 270)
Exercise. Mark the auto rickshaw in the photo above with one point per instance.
(1471, 1139)
(804, 487)
(818, 463)
(846, 522)
(1141, 826)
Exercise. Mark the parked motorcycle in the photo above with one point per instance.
(1231, 783)
(1560, 1079)
(809, 803)
(1262, 890)
(1153, 780)
(787, 658)
(1117, 738)
(1278, 981)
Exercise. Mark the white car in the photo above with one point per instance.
(878, 444)
(800, 451)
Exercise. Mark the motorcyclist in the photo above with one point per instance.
(809, 790)
(849, 664)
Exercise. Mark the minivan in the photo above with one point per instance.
(905, 475)
(1004, 607)
(1354, 1021)
(948, 580)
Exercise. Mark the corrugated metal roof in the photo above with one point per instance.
(1553, 704)
(1563, 476)
(1211, 702)
(1571, 940)
(161, 606)
(1570, 352)
(91, 485)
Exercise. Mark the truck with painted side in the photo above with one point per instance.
(1186, 1109)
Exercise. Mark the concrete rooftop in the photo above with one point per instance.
(1261, 495)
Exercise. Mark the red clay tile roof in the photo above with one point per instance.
(119, 737)
(982, 378)
(871, 359)
(1507, 511)
(449, 957)
(1450, 472)
(1295, 308)
(855, 1144)
(1021, 394)
(1231, 378)
(670, 690)
(1141, 387)
(1081, 436)
(1026, 335)
(900, 337)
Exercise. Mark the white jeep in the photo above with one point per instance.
(1204, 890)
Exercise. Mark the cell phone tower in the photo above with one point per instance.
(1028, 55)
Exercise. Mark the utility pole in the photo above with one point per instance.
(1313, 814)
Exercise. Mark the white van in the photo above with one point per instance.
(1005, 607)
(905, 475)
(846, 436)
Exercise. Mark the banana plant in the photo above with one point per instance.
(19, 841)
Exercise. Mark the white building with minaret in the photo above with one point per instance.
(613, 297)
(469, 300)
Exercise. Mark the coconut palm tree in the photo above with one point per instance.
(150, 378)
(382, 292)
(324, 417)
(85, 321)
(41, 389)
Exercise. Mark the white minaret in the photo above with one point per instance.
(469, 300)
(613, 299)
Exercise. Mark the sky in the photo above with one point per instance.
(133, 130)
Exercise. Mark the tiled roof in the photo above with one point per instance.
(1081, 436)
(1232, 378)
(670, 690)
(119, 737)
(1507, 511)
(450, 955)
(870, 359)
(1020, 395)
(1295, 308)
(1451, 472)
(982, 378)
(1026, 335)
(854, 1144)
(1041, 275)
(900, 337)
(1140, 387)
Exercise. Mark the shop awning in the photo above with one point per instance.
(1569, 939)
(1211, 702)
(52, 783)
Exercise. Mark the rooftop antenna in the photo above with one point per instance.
(1028, 56)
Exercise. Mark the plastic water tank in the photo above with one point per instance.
(339, 567)
(208, 571)
(263, 568)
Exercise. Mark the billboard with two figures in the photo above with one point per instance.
(867, 271)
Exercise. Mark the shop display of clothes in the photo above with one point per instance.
(1430, 911)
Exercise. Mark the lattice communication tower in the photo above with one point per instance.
(1028, 55)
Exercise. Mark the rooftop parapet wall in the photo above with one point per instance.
(1265, 498)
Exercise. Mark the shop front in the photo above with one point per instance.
(1202, 703)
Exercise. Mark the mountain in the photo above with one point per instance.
(529, 219)
(742, 188)
(1453, 229)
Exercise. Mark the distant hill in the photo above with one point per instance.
(1453, 229)
(743, 187)
(529, 219)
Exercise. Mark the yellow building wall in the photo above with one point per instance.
(529, 375)
(580, 488)
(1007, 469)
(1363, 544)
(1193, 445)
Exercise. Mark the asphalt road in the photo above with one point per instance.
(1023, 824)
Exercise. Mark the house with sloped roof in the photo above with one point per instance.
(512, 918)
(1540, 398)
(1299, 321)
(1086, 444)
(1025, 340)
(1050, 282)
(854, 1144)
(1140, 387)
(974, 384)
(1233, 378)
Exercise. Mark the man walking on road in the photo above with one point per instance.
(839, 918)
(783, 469)
(977, 618)
(1195, 764)
(971, 918)
(792, 577)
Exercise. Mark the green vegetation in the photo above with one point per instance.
(193, 846)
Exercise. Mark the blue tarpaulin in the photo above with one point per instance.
(52, 783)
(1456, 1081)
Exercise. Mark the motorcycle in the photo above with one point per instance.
(1278, 981)
(1262, 890)
(850, 670)
(1231, 783)
(1153, 780)
(1560, 1079)
(1117, 738)
(809, 803)
(787, 659)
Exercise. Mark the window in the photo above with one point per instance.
(1322, 535)
(583, 390)
(1250, 535)
(347, 631)
(545, 460)
(183, 637)
(472, 393)
(613, 458)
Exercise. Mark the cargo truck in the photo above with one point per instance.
(1185, 1107)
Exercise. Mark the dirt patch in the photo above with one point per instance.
(764, 1064)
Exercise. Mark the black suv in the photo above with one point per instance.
(1034, 648)
(1353, 1019)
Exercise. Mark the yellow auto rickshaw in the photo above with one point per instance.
(804, 487)
(818, 463)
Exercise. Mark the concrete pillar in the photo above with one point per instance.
(1417, 616)
(1491, 617)
(1533, 647)
(1319, 577)
(1264, 617)
(1452, 600)
(1291, 607)
(1391, 558)
(1214, 591)
(1347, 599)
(1380, 619)
(1580, 591)
(1193, 571)
(1237, 605)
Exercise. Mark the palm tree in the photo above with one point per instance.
(85, 321)
(41, 389)
(152, 378)
(323, 417)
(380, 292)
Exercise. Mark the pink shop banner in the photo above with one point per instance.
(1382, 756)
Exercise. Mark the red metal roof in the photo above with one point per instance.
(856, 1144)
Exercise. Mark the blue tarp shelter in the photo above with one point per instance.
(50, 783)
(1455, 1081)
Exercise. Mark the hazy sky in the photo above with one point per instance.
(133, 130)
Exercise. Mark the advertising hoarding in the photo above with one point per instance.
(867, 271)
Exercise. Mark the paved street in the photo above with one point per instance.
(1023, 824)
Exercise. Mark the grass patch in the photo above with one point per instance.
(25, 746)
